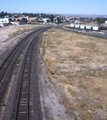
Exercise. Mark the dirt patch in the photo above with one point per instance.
(12, 31)
(78, 65)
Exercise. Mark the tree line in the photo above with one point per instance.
(100, 20)
(2, 14)
(38, 15)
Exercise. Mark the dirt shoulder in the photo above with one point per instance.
(76, 65)
(50, 98)
(12, 31)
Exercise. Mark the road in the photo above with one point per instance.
(101, 33)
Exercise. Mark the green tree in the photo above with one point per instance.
(5, 13)
(44, 15)
(41, 14)
(59, 19)
(35, 15)
(47, 21)
(38, 15)
(2, 14)
(98, 19)
(103, 20)
(51, 17)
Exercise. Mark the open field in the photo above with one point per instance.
(77, 67)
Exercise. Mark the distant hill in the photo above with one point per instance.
(75, 15)
(84, 15)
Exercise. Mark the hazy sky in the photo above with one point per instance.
(55, 6)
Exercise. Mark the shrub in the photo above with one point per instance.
(103, 28)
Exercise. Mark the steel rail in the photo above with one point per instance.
(14, 49)
(10, 59)
(16, 115)
(17, 107)
(17, 47)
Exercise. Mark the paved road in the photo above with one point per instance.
(101, 33)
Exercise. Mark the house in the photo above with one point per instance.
(55, 20)
(29, 19)
(46, 20)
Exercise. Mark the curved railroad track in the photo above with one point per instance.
(4, 76)
(6, 62)
(22, 103)
(22, 113)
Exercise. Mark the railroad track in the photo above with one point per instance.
(9, 62)
(5, 64)
(23, 105)
(22, 109)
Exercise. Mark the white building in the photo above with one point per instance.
(4, 22)
(46, 19)
(77, 21)
(106, 21)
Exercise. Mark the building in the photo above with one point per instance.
(72, 21)
(77, 21)
(106, 21)
(4, 22)
(29, 19)
(55, 20)
(46, 20)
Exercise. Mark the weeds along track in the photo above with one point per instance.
(9, 62)
(22, 110)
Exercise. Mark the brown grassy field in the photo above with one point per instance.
(78, 65)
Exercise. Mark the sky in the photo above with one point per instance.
(98, 7)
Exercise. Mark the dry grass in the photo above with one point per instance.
(78, 63)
